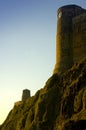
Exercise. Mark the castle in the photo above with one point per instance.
(70, 40)
(70, 37)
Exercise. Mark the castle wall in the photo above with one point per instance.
(79, 37)
(18, 103)
(64, 37)
(70, 37)
(63, 44)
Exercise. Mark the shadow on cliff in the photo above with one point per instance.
(59, 105)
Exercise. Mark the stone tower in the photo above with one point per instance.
(64, 37)
(26, 94)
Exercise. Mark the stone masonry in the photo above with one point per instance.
(26, 94)
(70, 37)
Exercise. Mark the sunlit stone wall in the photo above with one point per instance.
(66, 40)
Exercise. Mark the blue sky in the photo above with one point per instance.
(27, 46)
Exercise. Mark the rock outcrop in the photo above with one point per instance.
(59, 105)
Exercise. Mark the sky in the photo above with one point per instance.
(27, 47)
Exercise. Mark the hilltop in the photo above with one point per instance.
(59, 105)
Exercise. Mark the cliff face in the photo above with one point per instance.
(60, 105)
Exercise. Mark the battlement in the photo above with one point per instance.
(70, 37)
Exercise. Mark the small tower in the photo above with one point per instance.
(64, 44)
(26, 94)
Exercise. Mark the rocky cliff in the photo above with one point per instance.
(60, 105)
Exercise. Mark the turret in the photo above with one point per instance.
(26, 94)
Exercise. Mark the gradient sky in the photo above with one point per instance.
(27, 46)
